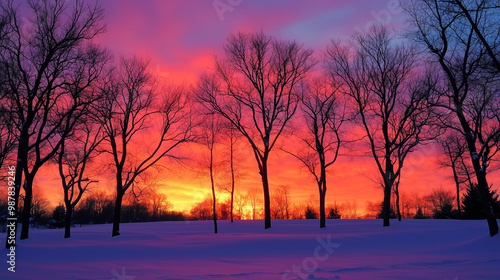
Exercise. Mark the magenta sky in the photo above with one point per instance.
(181, 37)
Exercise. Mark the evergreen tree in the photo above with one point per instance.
(420, 214)
(392, 213)
(446, 211)
(310, 213)
(334, 213)
(472, 204)
(58, 216)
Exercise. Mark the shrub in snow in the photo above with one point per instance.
(311, 213)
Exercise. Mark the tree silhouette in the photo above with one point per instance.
(455, 149)
(51, 71)
(209, 139)
(324, 115)
(76, 153)
(442, 201)
(463, 42)
(281, 202)
(254, 200)
(231, 137)
(380, 76)
(135, 103)
(7, 130)
(255, 87)
(7, 135)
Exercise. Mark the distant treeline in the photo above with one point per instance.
(97, 208)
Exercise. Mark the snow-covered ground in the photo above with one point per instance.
(291, 249)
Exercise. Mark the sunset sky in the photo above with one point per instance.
(181, 39)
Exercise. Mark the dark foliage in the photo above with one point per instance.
(57, 217)
(334, 213)
(420, 214)
(392, 213)
(445, 212)
(472, 204)
(311, 213)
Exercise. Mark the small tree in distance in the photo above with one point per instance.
(230, 140)
(210, 138)
(58, 216)
(334, 213)
(455, 149)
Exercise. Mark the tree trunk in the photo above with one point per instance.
(386, 208)
(67, 221)
(211, 167)
(481, 181)
(28, 199)
(232, 205)
(213, 193)
(232, 179)
(457, 184)
(322, 192)
(388, 183)
(398, 209)
(232, 188)
(267, 200)
(22, 151)
(322, 214)
(117, 213)
(487, 203)
(214, 211)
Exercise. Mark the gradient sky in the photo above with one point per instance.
(181, 38)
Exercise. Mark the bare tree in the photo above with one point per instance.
(232, 136)
(380, 77)
(406, 206)
(441, 200)
(39, 211)
(420, 202)
(454, 149)
(135, 105)
(402, 202)
(51, 70)
(156, 200)
(255, 88)
(484, 20)
(76, 153)
(254, 200)
(281, 202)
(96, 207)
(203, 210)
(7, 136)
(240, 200)
(464, 44)
(324, 115)
(209, 139)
